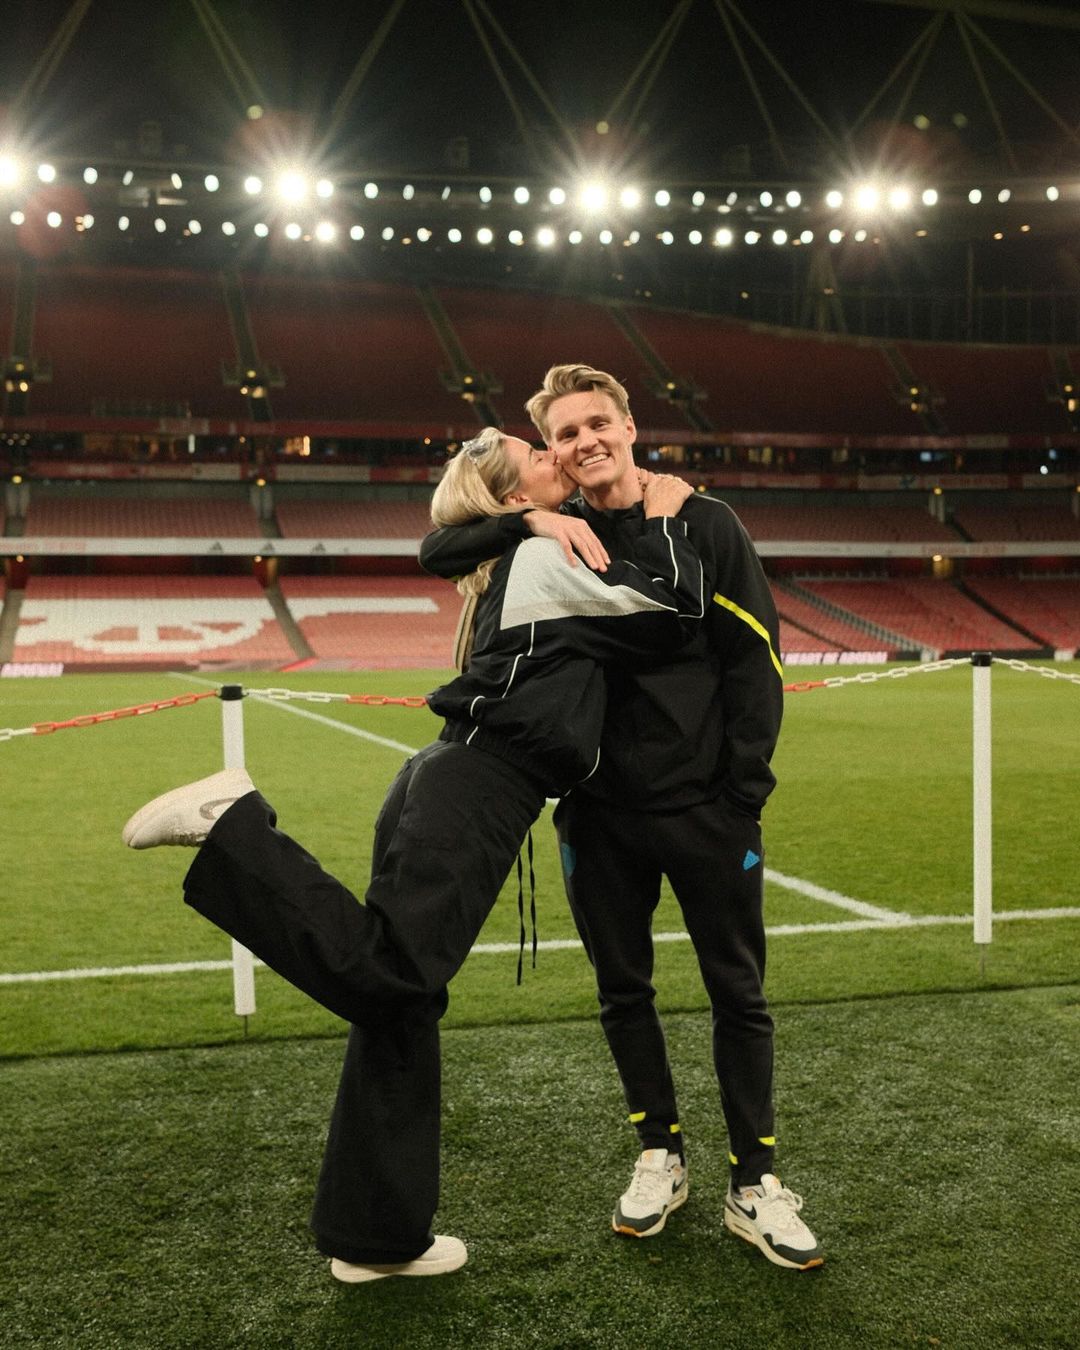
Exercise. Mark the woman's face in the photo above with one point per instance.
(540, 478)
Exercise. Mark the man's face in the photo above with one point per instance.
(593, 440)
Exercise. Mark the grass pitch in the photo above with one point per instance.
(925, 1088)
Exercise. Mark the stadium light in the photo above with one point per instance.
(17, 218)
(751, 237)
(423, 234)
(793, 199)
(211, 182)
(292, 230)
(516, 238)
(194, 227)
(228, 228)
(867, 197)
(261, 229)
(85, 222)
(291, 186)
(557, 196)
(807, 237)
(835, 236)
(1004, 195)
(630, 198)
(975, 196)
(47, 173)
(779, 237)
(521, 195)
(122, 224)
(252, 185)
(765, 198)
(159, 225)
(54, 220)
(408, 192)
(606, 237)
(545, 236)
(388, 233)
(176, 181)
(9, 171)
(90, 175)
(834, 199)
(575, 236)
(371, 191)
(900, 198)
(593, 196)
(454, 235)
(484, 235)
(1052, 194)
(324, 189)
(698, 199)
(695, 236)
(662, 197)
(356, 232)
(485, 195)
(930, 197)
(723, 238)
(666, 237)
(326, 232)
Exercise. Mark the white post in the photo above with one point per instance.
(981, 774)
(232, 729)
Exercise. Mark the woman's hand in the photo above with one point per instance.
(572, 533)
(665, 494)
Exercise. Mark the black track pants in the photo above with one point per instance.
(613, 861)
(447, 836)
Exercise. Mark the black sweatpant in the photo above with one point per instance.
(446, 838)
(613, 862)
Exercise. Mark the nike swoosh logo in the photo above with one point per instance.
(751, 1212)
(208, 810)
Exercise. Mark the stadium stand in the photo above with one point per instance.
(374, 519)
(97, 516)
(778, 380)
(987, 389)
(934, 614)
(349, 350)
(1048, 607)
(1005, 523)
(855, 522)
(829, 632)
(151, 621)
(121, 338)
(375, 623)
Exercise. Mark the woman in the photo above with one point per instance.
(522, 723)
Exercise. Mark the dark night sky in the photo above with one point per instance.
(431, 82)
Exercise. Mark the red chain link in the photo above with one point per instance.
(92, 719)
(802, 688)
(380, 700)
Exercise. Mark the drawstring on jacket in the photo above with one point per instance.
(521, 907)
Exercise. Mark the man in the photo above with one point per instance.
(683, 777)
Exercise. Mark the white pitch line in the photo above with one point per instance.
(564, 944)
(860, 907)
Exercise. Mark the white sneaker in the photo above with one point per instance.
(659, 1186)
(768, 1216)
(187, 814)
(444, 1255)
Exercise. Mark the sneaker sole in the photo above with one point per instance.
(350, 1274)
(677, 1202)
(143, 823)
(734, 1224)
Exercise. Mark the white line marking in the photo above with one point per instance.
(311, 716)
(564, 944)
(835, 898)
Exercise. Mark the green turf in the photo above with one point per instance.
(160, 1199)
(874, 801)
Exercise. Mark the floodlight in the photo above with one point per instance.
(807, 237)
(357, 232)
(121, 224)
(9, 171)
(545, 236)
(454, 235)
(633, 236)
(252, 185)
(388, 233)
(326, 232)
(227, 227)
(324, 189)
(695, 236)
(723, 238)
(90, 174)
(176, 181)
(261, 229)
(860, 236)
(87, 221)
(606, 237)
(54, 220)
(521, 195)
(663, 197)
(575, 236)
(128, 178)
(47, 173)
(594, 196)
(1052, 194)
(779, 236)
(1004, 195)
(698, 199)
(408, 192)
(751, 237)
(484, 235)
(765, 198)
(557, 196)
(516, 238)
(867, 197)
(292, 230)
(371, 191)
(930, 197)
(834, 199)
(666, 237)
(292, 186)
(835, 236)
(630, 198)
(975, 196)
(211, 182)
(900, 198)
(793, 199)
(423, 234)
(160, 225)
(17, 218)
(194, 227)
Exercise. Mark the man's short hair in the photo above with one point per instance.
(563, 380)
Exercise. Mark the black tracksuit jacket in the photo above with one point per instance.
(550, 637)
(701, 719)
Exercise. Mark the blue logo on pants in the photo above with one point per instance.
(751, 860)
(568, 854)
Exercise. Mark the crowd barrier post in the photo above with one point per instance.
(232, 730)
(981, 663)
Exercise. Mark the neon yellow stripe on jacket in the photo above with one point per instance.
(758, 627)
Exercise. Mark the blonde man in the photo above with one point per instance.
(684, 777)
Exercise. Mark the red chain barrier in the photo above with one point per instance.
(802, 688)
(380, 700)
(138, 710)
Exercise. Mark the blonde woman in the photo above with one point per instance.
(522, 723)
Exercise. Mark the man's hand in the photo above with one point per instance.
(572, 533)
(665, 494)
